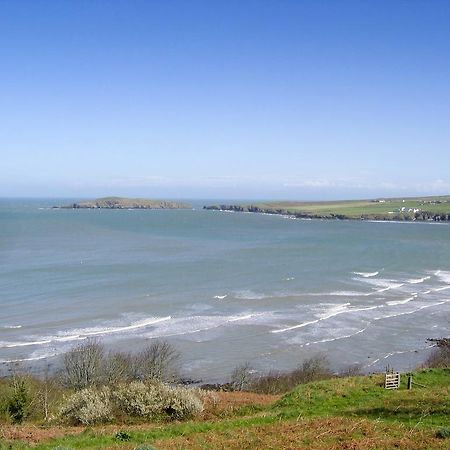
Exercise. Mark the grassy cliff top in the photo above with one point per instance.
(354, 412)
(382, 208)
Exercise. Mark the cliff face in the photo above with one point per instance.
(126, 203)
(399, 216)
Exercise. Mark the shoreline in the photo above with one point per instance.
(432, 219)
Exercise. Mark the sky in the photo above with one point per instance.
(299, 99)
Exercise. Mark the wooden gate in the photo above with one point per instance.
(392, 380)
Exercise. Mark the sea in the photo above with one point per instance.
(224, 288)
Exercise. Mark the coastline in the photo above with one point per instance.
(424, 217)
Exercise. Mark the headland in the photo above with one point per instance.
(435, 208)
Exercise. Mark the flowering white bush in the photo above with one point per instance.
(87, 406)
(154, 399)
(139, 399)
(149, 400)
(181, 403)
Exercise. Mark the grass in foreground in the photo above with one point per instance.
(352, 412)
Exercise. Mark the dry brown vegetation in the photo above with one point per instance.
(323, 434)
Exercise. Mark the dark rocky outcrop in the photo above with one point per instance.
(126, 203)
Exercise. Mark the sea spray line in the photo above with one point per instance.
(85, 334)
(336, 313)
(338, 310)
(399, 352)
(306, 344)
(418, 280)
(366, 274)
(401, 302)
(413, 311)
(214, 322)
(444, 288)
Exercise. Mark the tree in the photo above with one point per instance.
(241, 377)
(83, 365)
(157, 361)
(440, 357)
(19, 402)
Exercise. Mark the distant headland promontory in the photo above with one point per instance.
(125, 203)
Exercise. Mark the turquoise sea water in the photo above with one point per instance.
(225, 288)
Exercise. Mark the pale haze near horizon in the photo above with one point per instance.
(283, 100)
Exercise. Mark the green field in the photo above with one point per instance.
(408, 208)
(354, 412)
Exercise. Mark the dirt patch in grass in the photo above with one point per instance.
(34, 434)
(320, 434)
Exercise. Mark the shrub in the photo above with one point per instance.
(181, 403)
(440, 357)
(312, 369)
(443, 433)
(123, 436)
(242, 376)
(139, 399)
(19, 402)
(155, 399)
(88, 406)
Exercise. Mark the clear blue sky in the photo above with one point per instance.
(224, 99)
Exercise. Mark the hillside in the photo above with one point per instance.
(409, 208)
(354, 412)
(126, 203)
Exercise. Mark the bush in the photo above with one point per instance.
(443, 433)
(87, 407)
(155, 399)
(242, 376)
(440, 357)
(139, 399)
(312, 369)
(19, 402)
(123, 436)
(181, 403)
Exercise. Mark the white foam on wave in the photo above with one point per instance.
(443, 275)
(235, 319)
(418, 280)
(221, 297)
(420, 308)
(12, 327)
(401, 302)
(382, 284)
(322, 341)
(251, 295)
(288, 278)
(24, 344)
(195, 324)
(366, 274)
(337, 294)
(399, 352)
(84, 333)
(443, 288)
(334, 311)
(34, 358)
